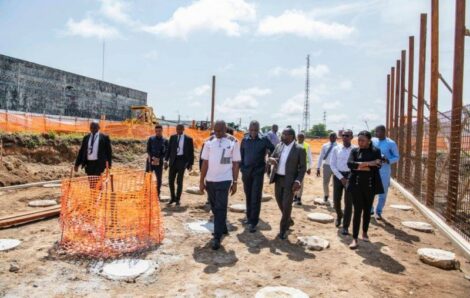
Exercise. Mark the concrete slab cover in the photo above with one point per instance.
(418, 226)
(238, 208)
(280, 292)
(194, 190)
(320, 217)
(201, 226)
(52, 185)
(266, 197)
(313, 242)
(438, 258)
(7, 244)
(127, 269)
(42, 203)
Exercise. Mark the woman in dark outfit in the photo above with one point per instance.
(364, 182)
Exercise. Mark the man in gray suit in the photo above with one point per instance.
(289, 161)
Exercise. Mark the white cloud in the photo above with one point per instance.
(298, 23)
(89, 28)
(345, 85)
(116, 10)
(211, 15)
(151, 55)
(245, 102)
(331, 105)
(292, 107)
(201, 90)
(370, 116)
(336, 118)
(317, 71)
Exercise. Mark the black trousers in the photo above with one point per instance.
(284, 199)
(93, 168)
(338, 190)
(253, 187)
(158, 173)
(218, 198)
(176, 172)
(363, 198)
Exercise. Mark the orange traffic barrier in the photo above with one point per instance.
(110, 215)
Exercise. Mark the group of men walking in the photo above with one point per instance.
(285, 159)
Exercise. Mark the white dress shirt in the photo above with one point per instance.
(221, 153)
(93, 152)
(281, 169)
(339, 160)
(180, 149)
(324, 150)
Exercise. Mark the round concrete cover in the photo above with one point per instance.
(165, 198)
(402, 207)
(238, 208)
(418, 226)
(6, 244)
(201, 226)
(194, 190)
(438, 258)
(280, 292)
(320, 217)
(313, 242)
(51, 185)
(266, 197)
(42, 203)
(126, 269)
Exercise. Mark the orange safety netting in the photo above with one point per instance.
(24, 122)
(110, 215)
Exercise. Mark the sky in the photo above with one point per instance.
(256, 49)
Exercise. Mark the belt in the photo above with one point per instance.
(280, 175)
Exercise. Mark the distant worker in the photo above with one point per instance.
(341, 171)
(272, 135)
(301, 142)
(179, 157)
(324, 159)
(254, 149)
(219, 175)
(95, 152)
(289, 161)
(390, 155)
(157, 146)
(364, 183)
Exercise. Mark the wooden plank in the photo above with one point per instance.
(28, 217)
(33, 184)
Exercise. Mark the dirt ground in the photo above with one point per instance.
(187, 267)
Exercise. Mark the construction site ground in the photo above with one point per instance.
(388, 266)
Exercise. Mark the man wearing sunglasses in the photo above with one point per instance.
(341, 171)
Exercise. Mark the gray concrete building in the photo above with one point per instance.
(34, 88)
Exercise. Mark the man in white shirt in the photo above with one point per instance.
(324, 159)
(341, 171)
(289, 160)
(219, 175)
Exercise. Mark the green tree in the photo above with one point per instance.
(265, 129)
(318, 130)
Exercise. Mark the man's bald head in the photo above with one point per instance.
(220, 128)
(254, 129)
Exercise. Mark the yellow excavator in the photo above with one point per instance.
(142, 115)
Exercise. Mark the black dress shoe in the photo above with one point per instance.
(325, 199)
(245, 221)
(252, 228)
(291, 222)
(344, 232)
(338, 222)
(215, 244)
(171, 202)
(282, 235)
(178, 203)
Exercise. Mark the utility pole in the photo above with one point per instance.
(213, 102)
(102, 66)
(306, 120)
(324, 118)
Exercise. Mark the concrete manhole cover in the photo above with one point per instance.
(320, 217)
(165, 198)
(52, 185)
(240, 208)
(201, 226)
(7, 244)
(127, 269)
(280, 292)
(313, 242)
(438, 258)
(42, 203)
(402, 207)
(194, 190)
(320, 201)
(418, 226)
(266, 198)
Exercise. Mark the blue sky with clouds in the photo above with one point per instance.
(257, 50)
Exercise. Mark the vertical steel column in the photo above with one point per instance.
(433, 129)
(401, 130)
(213, 103)
(409, 113)
(420, 105)
(456, 122)
(387, 113)
(390, 127)
(396, 113)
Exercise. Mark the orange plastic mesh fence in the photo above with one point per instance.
(110, 215)
(25, 122)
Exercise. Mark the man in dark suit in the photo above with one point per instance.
(95, 152)
(289, 161)
(179, 157)
(157, 146)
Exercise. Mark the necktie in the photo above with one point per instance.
(92, 143)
